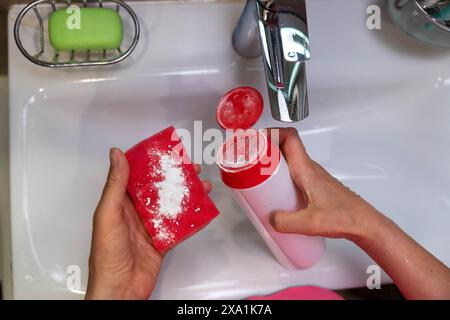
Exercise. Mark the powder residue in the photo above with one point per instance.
(172, 191)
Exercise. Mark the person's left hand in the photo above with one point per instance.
(123, 263)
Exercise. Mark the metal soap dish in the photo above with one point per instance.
(425, 20)
(47, 56)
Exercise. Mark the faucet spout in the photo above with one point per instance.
(278, 30)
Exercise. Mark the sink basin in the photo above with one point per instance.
(379, 123)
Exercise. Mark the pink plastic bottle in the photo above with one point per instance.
(259, 177)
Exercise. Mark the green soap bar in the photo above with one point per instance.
(79, 29)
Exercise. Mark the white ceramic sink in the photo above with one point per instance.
(379, 122)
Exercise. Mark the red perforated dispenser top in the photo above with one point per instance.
(247, 159)
(240, 108)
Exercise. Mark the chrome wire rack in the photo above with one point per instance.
(46, 56)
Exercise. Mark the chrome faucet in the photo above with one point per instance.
(278, 30)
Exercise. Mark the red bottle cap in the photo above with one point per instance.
(247, 159)
(240, 108)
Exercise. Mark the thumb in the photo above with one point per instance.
(117, 181)
(301, 222)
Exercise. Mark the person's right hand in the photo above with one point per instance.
(333, 210)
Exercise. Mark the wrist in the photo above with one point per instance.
(99, 288)
(96, 292)
(370, 228)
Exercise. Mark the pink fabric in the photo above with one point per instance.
(301, 293)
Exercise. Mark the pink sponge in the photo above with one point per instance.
(166, 190)
(301, 293)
